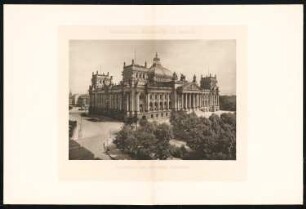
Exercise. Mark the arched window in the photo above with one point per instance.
(140, 108)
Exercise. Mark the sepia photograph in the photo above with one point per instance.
(153, 104)
(152, 99)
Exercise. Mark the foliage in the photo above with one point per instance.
(131, 120)
(227, 103)
(178, 152)
(210, 138)
(149, 141)
(72, 126)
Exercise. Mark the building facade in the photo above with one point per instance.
(150, 92)
(79, 100)
(83, 101)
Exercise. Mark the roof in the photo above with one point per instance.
(158, 69)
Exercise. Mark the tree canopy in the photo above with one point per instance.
(210, 138)
(149, 141)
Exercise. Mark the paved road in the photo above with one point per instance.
(92, 134)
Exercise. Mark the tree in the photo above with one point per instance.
(149, 141)
(228, 103)
(163, 133)
(209, 138)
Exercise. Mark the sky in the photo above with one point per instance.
(190, 57)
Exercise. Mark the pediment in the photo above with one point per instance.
(191, 87)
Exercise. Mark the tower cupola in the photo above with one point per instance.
(156, 60)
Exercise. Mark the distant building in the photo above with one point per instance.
(80, 100)
(70, 99)
(83, 101)
(74, 99)
(150, 92)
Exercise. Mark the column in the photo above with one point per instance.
(162, 100)
(218, 100)
(137, 103)
(109, 101)
(115, 102)
(119, 104)
(186, 104)
(189, 101)
(182, 101)
(204, 100)
(101, 101)
(192, 101)
(211, 100)
(148, 102)
(121, 101)
(127, 100)
(95, 101)
(131, 99)
(167, 95)
(177, 101)
(157, 101)
(199, 102)
(98, 101)
(99, 95)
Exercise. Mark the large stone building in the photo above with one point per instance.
(150, 92)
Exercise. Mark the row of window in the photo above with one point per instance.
(141, 75)
(161, 115)
(159, 96)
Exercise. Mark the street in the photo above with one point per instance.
(92, 133)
